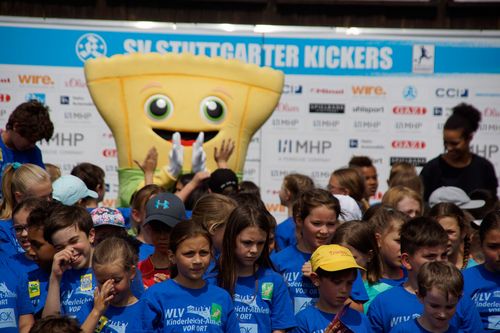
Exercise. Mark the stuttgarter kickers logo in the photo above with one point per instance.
(90, 46)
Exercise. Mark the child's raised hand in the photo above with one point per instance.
(160, 277)
(150, 161)
(307, 269)
(222, 154)
(103, 296)
(62, 262)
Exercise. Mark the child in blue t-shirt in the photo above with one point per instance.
(482, 283)
(316, 215)
(71, 283)
(261, 298)
(114, 307)
(422, 240)
(440, 286)
(334, 272)
(186, 302)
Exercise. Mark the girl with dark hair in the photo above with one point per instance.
(458, 166)
(261, 297)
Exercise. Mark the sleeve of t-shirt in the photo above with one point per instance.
(151, 313)
(301, 327)
(23, 299)
(470, 321)
(282, 316)
(358, 291)
(232, 323)
(375, 315)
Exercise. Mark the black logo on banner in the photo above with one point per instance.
(415, 161)
(326, 108)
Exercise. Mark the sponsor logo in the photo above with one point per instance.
(327, 91)
(61, 139)
(408, 144)
(285, 107)
(292, 89)
(486, 151)
(364, 144)
(494, 128)
(64, 100)
(304, 146)
(7, 318)
(77, 116)
(452, 92)
(36, 96)
(368, 91)
(285, 123)
(368, 109)
(408, 125)
(353, 143)
(367, 124)
(409, 110)
(437, 111)
(35, 80)
(75, 83)
(4, 80)
(409, 93)
(325, 124)
(326, 108)
(491, 112)
(3, 112)
(320, 174)
(415, 161)
(423, 58)
(279, 173)
(4, 98)
(109, 152)
(90, 46)
(488, 94)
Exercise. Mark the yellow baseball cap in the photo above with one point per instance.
(332, 258)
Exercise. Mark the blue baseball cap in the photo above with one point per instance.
(69, 189)
(166, 208)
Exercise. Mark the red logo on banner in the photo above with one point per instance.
(4, 98)
(491, 112)
(411, 110)
(408, 144)
(4, 80)
(109, 153)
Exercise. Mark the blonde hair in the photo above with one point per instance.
(212, 211)
(19, 178)
(397, 193)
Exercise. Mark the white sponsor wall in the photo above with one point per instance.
(381, 93)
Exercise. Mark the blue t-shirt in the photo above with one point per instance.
(115, 319)
(8, 242)
(262, 302)
(373, 290)
(414, 326)
(397, 305)
(396, 282)
(22, 264)
(313, 320)
(38, 286)
(483, 287)
(14, 299)
(145, 250)
(285, 234)
(170, 307)
(289, 264)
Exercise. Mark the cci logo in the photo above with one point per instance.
(452, 92)
(90, 46)
(4, 98)
(409, 93)
(292, 89)
(36, 96)
(408, 144)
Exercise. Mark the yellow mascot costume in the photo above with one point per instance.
(146, 99)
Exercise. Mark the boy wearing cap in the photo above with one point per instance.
(334, 271)
(163, 212)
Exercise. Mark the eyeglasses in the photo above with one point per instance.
(18, 229)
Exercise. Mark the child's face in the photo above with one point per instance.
(121, 280)
(249, 245)
(491, 250)
(79, 243)
(160, 234)
(390, 247)
(19, 223)
(423, 255)
(40, 250)
(409, 206)
(455, 237)
(318, 227)
(192, 259)
(334, 292)
(438, 309)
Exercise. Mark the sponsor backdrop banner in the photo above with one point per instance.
(381, 93)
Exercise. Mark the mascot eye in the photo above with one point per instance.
(213, 109)
(158, 107)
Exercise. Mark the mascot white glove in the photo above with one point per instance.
(199, 158)
(176, 156)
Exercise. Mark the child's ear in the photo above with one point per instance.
(133, 272)
(92, 236)
(18, 196)
(314, 278)
(378, 237)
(405, 261)
(171, 257)
(136, 215)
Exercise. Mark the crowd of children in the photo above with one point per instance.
(211, 258)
